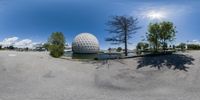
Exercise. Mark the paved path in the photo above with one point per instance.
(37, 76)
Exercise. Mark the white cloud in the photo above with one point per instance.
(9, 41)
(26, 43)
(14, 41)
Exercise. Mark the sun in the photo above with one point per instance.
(153, 15)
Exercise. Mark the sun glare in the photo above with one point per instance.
(155, 15)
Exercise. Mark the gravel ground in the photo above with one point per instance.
(37, 76)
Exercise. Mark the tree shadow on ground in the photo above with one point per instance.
(175, 61)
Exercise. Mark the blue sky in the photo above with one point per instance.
(37, 19)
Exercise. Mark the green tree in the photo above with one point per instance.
(119, 49)
(167, 33)
(56, 44)
(142, 46)
(174, 47)
(122, 28)
(11, 47)
(153, 35)
(160, 34)
(193, 47)
(182, 46)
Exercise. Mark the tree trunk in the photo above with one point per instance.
(156, 43)
(125, 41)
(164, 46)
(126, 50)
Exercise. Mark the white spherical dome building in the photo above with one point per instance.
(85, 43)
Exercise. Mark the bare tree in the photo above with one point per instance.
(122, 28)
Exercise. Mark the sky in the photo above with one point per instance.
(33, 21)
